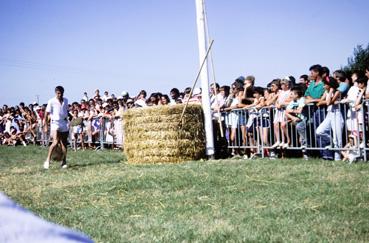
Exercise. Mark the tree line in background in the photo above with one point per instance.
(359, 61)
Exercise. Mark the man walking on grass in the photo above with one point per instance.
(57, 109)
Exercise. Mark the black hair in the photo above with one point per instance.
(143, 92)
(226, 89)
(187, 90)
(276, 82)
(362, 80)
(298, 91)
(237, 85)
(158, 95)
(259, 90)
(317, 68)
(325, 71)
(341, 75)
(216, 85)
(174, 90)
(166, 97)
(60, 89)
(305, 77)
(359, 73)
(332, 82)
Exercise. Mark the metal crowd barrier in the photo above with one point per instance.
(255, 130)
(100, 132)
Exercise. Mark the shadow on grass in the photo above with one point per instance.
(95, 163)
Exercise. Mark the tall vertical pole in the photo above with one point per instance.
(203, 43)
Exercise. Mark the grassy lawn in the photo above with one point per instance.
(235, 200)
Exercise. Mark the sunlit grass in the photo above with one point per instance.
(236, 200)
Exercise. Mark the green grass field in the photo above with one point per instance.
(215, 201)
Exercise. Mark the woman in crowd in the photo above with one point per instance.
(333, 120)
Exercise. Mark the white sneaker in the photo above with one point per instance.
(284, 145)
(305, 157)
(276, 145)
(46, 165)
(64, 165)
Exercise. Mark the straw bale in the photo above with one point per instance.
(153, 134)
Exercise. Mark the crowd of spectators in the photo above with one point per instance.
(100, 115)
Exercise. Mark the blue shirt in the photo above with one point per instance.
(343, 88)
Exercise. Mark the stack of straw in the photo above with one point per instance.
(153, 134)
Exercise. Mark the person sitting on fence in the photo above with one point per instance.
(333, 120)
(279, 117)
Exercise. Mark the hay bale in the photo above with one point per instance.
(153, 135)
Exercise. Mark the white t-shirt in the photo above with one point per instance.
(217, 101)
(58, 114)
(283, 95)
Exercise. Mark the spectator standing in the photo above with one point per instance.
(333, 121)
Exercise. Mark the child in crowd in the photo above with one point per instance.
(354, 118)
(279, 117)
(253, 122)
(294, 114)
(77, 130)
(351, 152)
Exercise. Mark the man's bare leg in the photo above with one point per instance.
(51, 148)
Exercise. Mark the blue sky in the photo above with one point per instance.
(152, 45)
